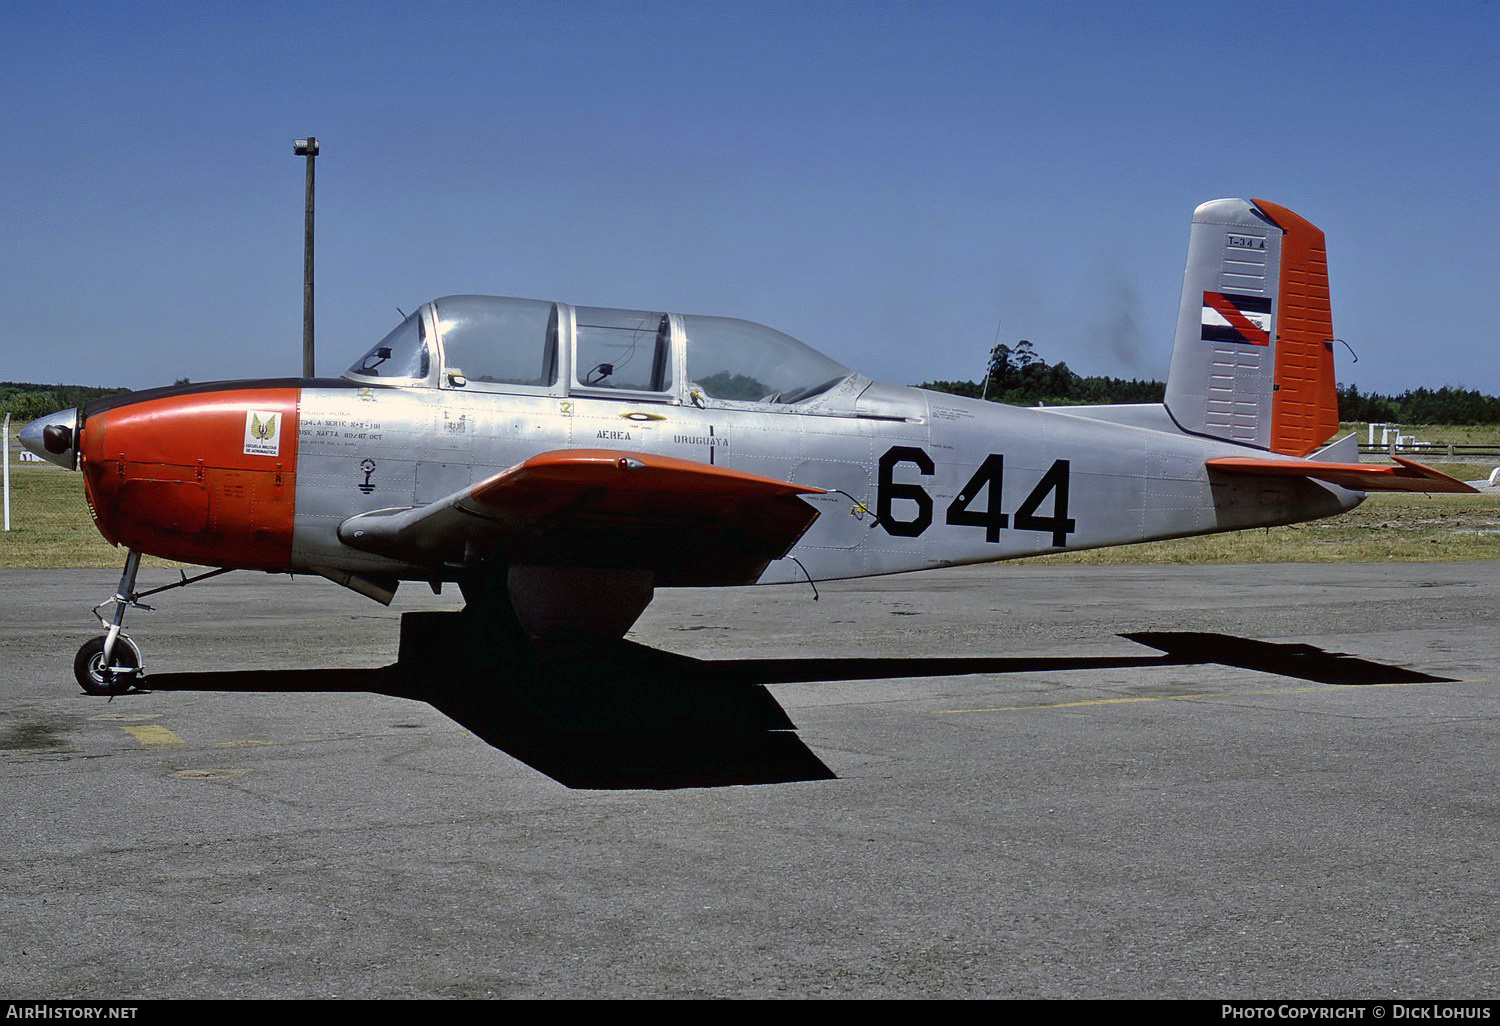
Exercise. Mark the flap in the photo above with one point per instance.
(1407, 476)
(690, 523)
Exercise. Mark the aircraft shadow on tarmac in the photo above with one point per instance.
(622, 715)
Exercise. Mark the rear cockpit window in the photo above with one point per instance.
(628, 349)
(496, 340)
(743, 361)
(401, 354)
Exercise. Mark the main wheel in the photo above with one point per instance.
(96, 678)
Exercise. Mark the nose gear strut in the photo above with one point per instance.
(112, 664)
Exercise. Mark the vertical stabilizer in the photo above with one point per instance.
(1253, 357)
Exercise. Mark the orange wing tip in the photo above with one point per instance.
(1408, 476)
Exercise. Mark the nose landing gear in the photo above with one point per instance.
(112, 664)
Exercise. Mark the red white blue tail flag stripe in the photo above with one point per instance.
(1228, 317)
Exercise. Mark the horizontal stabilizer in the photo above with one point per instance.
(1408, 476)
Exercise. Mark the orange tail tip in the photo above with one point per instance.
(1305, 407)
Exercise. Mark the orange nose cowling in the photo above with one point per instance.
(205, 477)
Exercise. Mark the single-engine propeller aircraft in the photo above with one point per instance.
(561, 462)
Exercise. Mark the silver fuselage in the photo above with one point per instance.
(893, 463)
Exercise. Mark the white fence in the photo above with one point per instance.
(5, 433)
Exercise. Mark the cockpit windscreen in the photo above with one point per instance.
(401, 354)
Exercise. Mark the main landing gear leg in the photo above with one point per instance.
(109, 665)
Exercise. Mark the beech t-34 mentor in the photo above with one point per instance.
(560, 462)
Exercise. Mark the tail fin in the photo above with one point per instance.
(1253, 357)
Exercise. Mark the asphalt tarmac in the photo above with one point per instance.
(1283, 787)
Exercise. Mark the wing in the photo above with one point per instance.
(1407, 476)
(690, 523)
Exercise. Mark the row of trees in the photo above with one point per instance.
(1020, 377)
(25, 401)
(1447, 405)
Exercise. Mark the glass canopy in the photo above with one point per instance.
(494, 343)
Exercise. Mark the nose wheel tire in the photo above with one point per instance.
(96, 678)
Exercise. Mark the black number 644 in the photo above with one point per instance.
(964, 510)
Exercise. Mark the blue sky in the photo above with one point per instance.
(886, 181)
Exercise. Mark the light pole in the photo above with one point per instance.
(307, 148)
